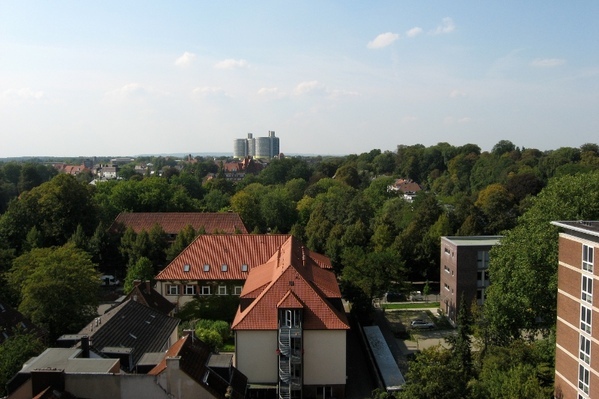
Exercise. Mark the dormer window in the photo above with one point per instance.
(244, 268)
(206, 267)
(223, 268)
(186, 268)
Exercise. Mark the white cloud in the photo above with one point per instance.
(210, 91)
(547, 62)
(415, 31)
(383, 40)
(311, 87)
(447, 26)
(464, 120)
(130, 91)
(231, 64)
(185, 60)
(268, 90)
(21, 95)
(457, 93)
(408, 119)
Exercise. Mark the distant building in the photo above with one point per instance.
(577, 329)
(259, 148)
(464, 270)
(407, 187)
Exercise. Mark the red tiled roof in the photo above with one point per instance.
(174, 222)
(171, 352)
(231, 250)
(296, 280)
(407, 185)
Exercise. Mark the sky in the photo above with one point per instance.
(123, 78)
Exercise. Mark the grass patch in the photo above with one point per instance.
(410, 305)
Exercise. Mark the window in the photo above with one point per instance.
(480, 294)
(446, 269)
(223, 268)
(584, 376)
(291, 317)
(186, 268)
(447, 252)
(244, 268)
(237, 290)
(206, 267)
(324, 392)
(585, 349)
(222, 290)
(585, 319)
(587, 258)
(482, 259)
(173, 290)
(587, 289)
(190, 289)
(446, 286)
(205, 290)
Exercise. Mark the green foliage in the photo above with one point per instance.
(210, 337)
(213, 307)
(14, 352)
(57, 288)
(523, 268)
(142, 270)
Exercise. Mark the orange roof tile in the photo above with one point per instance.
(171, 352)
(295, 280)
(174, 222)
(211, 252)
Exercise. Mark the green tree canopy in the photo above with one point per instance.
(58, 288)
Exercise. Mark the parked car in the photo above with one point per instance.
(109, 280)
(416, 296)
(421, 324)
(394, 297)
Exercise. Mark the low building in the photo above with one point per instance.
(577, 329)
(464, 271)
(290, 328)
(173, 222)
(219, 265)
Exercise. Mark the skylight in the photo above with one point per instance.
(186, 268)
(244, 268)
(223, 268)
(206, 267)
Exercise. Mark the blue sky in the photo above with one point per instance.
(80, 78)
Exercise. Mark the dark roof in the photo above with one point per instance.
(145, 294)
(582, 226)
(173, 222)
(11, 321)
(131, 328)
(194, 359)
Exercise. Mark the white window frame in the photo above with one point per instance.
(222, 290)
(173, 289)
(585, 349)
(584, 376)
(205, 290)
(587, 258)
(190, 289)
(237, 289)
(586, 289)
(586, 315)
(482, 259)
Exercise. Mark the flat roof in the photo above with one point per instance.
(385, 361)
(590, 227)
(471, 241)
(66, 359)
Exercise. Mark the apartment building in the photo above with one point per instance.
(464, 271)
(577, 332)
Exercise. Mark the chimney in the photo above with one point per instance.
(85, 347)
(148, 287)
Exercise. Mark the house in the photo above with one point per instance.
(144, 293)
(13, 322)
(219, 265)
(407, 187)
(290, 328)
(464, 271)
(577, 329)
(188, 369)
(173, 222)
(127, 332)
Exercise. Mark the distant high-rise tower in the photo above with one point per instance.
(260, 147)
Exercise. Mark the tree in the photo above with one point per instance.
(183, 239)
(58, 288)
(142, 270)
(523, 269)
(14, 352)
